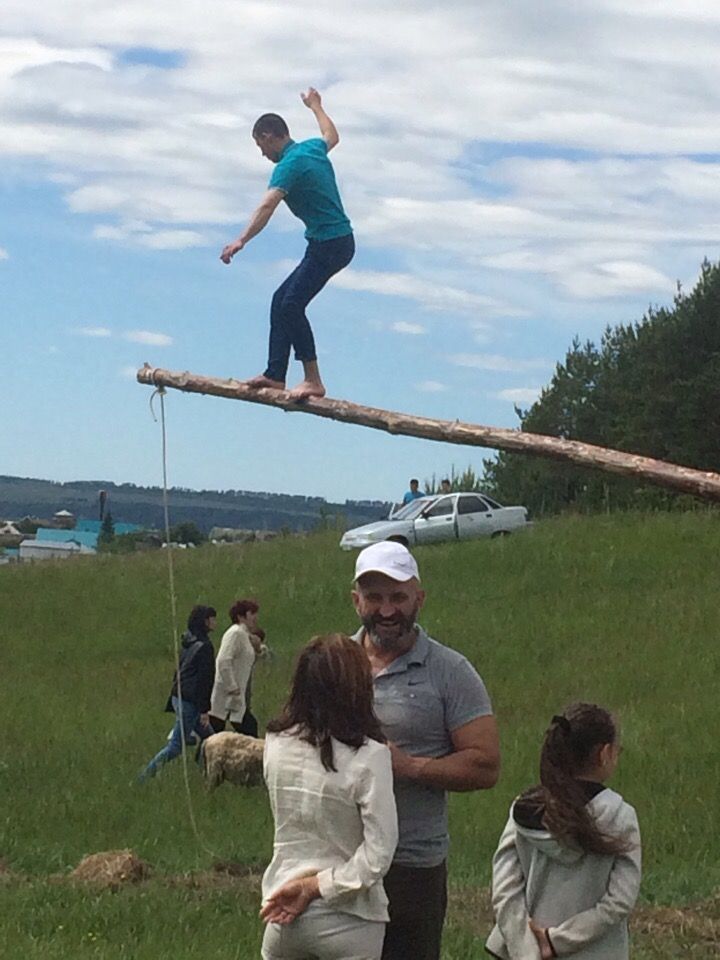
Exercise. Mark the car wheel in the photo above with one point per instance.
(500, 533)
(401, 540)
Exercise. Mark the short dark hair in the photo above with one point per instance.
(414, 481)
(331, 696)
(270, 123)
(241, 608)
(199, 616)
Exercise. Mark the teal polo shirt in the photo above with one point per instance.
(306, 177)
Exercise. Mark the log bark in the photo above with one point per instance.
(705, 485)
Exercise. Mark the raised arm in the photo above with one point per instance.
(257, 222)
(328, 130)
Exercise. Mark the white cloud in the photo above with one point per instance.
(140, 233)
(524, 395)
(172, 239)
(468, 211)
(149, 338)
(128, 372)
(430, 386)
(93, 331)
(430, 295)
(4, 255)
(402, 326)
(498, 363)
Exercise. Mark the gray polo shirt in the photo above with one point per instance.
(420, 699)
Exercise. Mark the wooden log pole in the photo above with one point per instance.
(699, 483)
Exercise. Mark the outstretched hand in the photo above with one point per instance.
(292, 899)
(311, 99)
(541, 935)
(230, 250)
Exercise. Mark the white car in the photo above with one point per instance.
(453, 516)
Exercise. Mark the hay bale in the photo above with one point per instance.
(113, 869)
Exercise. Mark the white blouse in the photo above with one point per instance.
(341, 825)
(233, 667)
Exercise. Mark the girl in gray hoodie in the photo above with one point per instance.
(566, 873)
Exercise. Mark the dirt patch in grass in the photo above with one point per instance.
(111, 869)
(8, 876)
(223, 875)
(668, 929)
(698, 925)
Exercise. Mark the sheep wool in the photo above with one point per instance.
(233, 757)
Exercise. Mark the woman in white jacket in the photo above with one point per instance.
(566, 873)
(233, 668)
(329, 777)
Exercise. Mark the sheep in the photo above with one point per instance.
(233, 757)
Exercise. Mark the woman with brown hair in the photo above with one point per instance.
(233, 670)
(330, 782)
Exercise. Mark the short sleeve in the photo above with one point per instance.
(466, 697)
(284, 177)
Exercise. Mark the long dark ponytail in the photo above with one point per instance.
(567, 752)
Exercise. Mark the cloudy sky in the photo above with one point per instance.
(516, 173)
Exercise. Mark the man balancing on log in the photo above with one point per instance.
(304, 178)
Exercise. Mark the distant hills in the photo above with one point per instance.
(252, 510)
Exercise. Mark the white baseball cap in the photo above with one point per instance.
(388, 557)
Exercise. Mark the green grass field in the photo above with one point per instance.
(621, 610)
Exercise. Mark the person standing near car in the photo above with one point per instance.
(436, 714)
(413, 493)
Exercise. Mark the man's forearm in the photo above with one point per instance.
(257, 222)
(461, 771)
(328, 130)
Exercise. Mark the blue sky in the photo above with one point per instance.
(513, 181)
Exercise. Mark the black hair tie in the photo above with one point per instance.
(563, 723)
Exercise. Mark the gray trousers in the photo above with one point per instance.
(323, 934)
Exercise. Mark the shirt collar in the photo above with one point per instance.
(417, 654)
(290, 143)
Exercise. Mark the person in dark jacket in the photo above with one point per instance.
(191, 689)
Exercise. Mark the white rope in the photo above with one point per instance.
(160, 391)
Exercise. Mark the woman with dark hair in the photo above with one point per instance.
(192, 685)
(233, 670)
(566, 874)
(329, 777)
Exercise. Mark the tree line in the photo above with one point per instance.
(651, 387)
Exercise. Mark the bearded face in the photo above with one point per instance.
(390, 633)
(388, 610)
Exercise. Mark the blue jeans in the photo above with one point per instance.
(289, 326)
(187, 722)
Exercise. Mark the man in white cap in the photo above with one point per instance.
(437, 716)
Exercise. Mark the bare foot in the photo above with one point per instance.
(262, 382)
(308, 388)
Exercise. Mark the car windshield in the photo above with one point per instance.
(412, 509)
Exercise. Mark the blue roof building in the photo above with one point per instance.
(93, 526)
(82, 538)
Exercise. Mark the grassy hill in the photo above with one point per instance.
(621, 610)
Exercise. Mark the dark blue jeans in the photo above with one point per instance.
(289, 326)
(187, 722)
